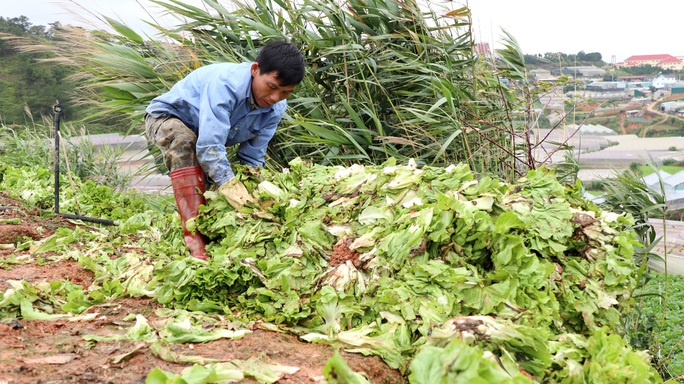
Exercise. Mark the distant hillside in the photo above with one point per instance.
(554, 60)
(29, 88)
(26, 84)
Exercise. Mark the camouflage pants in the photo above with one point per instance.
(175, 140)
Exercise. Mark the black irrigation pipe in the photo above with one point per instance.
(58, 111)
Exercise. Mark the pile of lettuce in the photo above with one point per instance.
(446, 277)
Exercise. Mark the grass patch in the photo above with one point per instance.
(607, 121)
(671, 169)
(664, 130)
(664, 342)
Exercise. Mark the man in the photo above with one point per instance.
(214, 107)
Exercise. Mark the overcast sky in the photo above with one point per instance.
(610, 27)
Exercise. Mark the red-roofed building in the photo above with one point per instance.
(664, 61)
(671, 63)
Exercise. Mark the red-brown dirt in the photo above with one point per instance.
(56, 352)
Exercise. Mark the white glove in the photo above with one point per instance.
(236, 193)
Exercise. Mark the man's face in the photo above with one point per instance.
(266, 88)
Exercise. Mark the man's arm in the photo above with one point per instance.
(214, 163)
(253, 151)
(216, 105)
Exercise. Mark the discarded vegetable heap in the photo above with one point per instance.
(448, 278)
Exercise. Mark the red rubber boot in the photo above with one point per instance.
(188, 189)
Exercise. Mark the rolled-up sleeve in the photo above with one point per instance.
(216, 102)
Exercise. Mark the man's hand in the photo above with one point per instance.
(236, 193)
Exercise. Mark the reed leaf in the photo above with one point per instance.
(385, 78)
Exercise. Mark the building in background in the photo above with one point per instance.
(584, 71)
(662, 82)
(664, 61)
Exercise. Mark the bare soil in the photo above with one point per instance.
(56, 352)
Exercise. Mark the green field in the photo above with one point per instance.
(671, 169)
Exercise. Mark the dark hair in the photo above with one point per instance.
(284, 58)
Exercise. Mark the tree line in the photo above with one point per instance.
(31, 83)
(553, 59)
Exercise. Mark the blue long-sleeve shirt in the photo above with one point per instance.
(215, 102)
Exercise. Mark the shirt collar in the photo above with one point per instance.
(252, 102)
